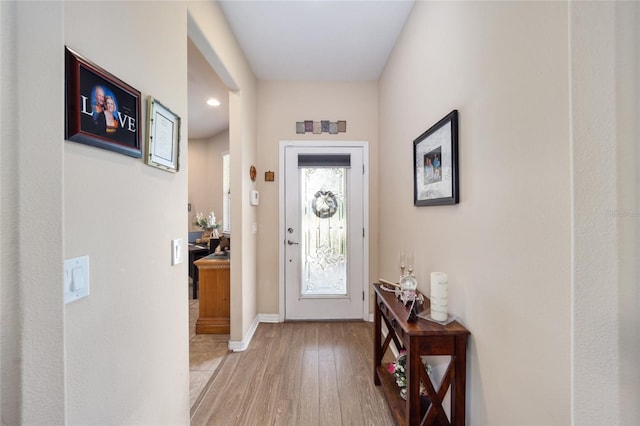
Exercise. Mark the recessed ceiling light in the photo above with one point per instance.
(213, 102)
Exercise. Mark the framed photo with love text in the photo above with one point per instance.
(101, 110)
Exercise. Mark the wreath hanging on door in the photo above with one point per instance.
(324, 204)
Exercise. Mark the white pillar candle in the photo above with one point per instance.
(439, 296)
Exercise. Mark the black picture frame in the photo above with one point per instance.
(92, 96)
(435, 164)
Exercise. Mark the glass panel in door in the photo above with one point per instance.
(324, 226)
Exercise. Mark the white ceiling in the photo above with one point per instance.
(331, 40)
(203, 83)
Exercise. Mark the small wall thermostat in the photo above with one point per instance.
(254, 197)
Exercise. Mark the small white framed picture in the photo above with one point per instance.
(163, 137)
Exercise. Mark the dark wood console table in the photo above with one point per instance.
(419, 339)
(196, 251)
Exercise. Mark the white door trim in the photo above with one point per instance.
(365, 220)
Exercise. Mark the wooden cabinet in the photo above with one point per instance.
(214, 283)
(419, 339)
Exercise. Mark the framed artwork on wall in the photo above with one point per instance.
(435, 164)
(163, 137)
(101, 110)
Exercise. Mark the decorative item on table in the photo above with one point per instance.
(408, 286)
(208, 224)
(399, 370)
(406, 262)
(439, 300)
(439, 296)
(413, 311)
(408, 283)
(403, 262)
(214, 245)
(389, 286)
(225, 244)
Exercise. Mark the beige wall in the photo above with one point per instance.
(123, 214)
(119, 356)
(606, 292)
(205, 176)
(31, 206)
(542, 249)
(506, 246)
(280, 106)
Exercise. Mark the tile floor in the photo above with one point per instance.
(206, 351)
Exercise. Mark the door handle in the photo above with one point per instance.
(292, 242)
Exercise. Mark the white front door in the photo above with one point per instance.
(324, 228)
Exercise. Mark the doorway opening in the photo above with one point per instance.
(208, 148)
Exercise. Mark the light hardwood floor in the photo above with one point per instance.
(297, 373)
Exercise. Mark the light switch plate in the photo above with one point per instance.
(76, 278)
(176, 251)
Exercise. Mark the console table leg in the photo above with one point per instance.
(377, 343)
(458, 384)
(414, 363)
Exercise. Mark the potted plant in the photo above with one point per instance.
(399, 370)
(210, 227)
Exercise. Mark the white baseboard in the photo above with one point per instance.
(270, 318)
(242, 345)
(371, 317)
